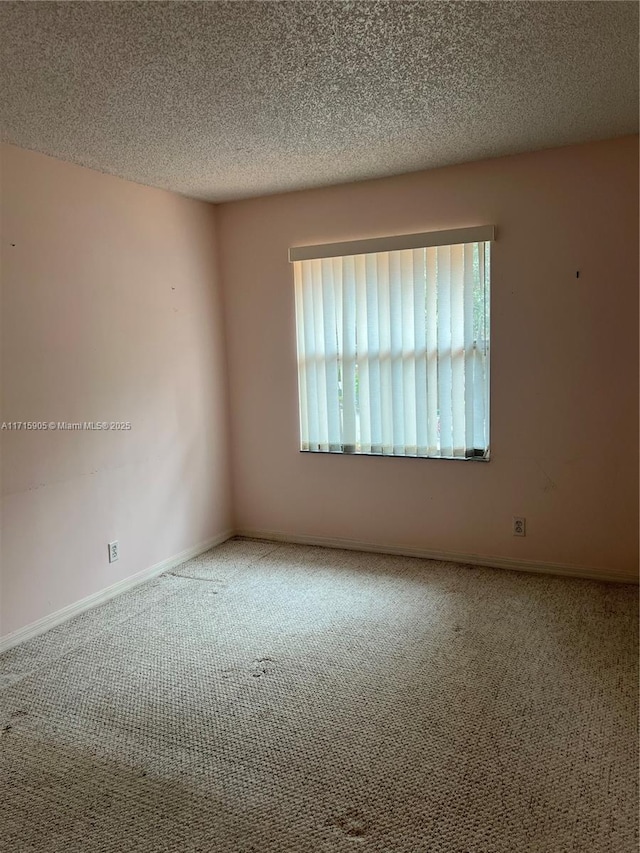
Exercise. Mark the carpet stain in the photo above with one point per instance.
(259, 668)
(350, 823)
(262, 666)
(220, 583)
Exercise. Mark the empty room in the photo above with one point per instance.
(319, 432)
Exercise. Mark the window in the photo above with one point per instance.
(393, 345)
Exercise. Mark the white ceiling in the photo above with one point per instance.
(224, 100)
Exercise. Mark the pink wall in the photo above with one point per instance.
(111, 311)
(564, 364)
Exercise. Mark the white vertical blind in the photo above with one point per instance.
(393, 351)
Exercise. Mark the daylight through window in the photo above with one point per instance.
(393, 345)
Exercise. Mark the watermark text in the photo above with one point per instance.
(63, 426)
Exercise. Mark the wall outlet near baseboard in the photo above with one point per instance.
(519, 526)
(114, 551)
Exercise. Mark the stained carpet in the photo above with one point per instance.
(268, 698)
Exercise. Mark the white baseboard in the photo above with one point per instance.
(536, 566)
(71, 610)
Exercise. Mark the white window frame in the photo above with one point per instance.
(319, 272)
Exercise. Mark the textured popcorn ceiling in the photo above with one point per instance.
(227, 100)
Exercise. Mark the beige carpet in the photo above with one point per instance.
(289, 699)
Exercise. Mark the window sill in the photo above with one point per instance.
(486, 458)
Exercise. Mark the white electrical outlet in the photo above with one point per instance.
(114, 551)
(519, 526)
